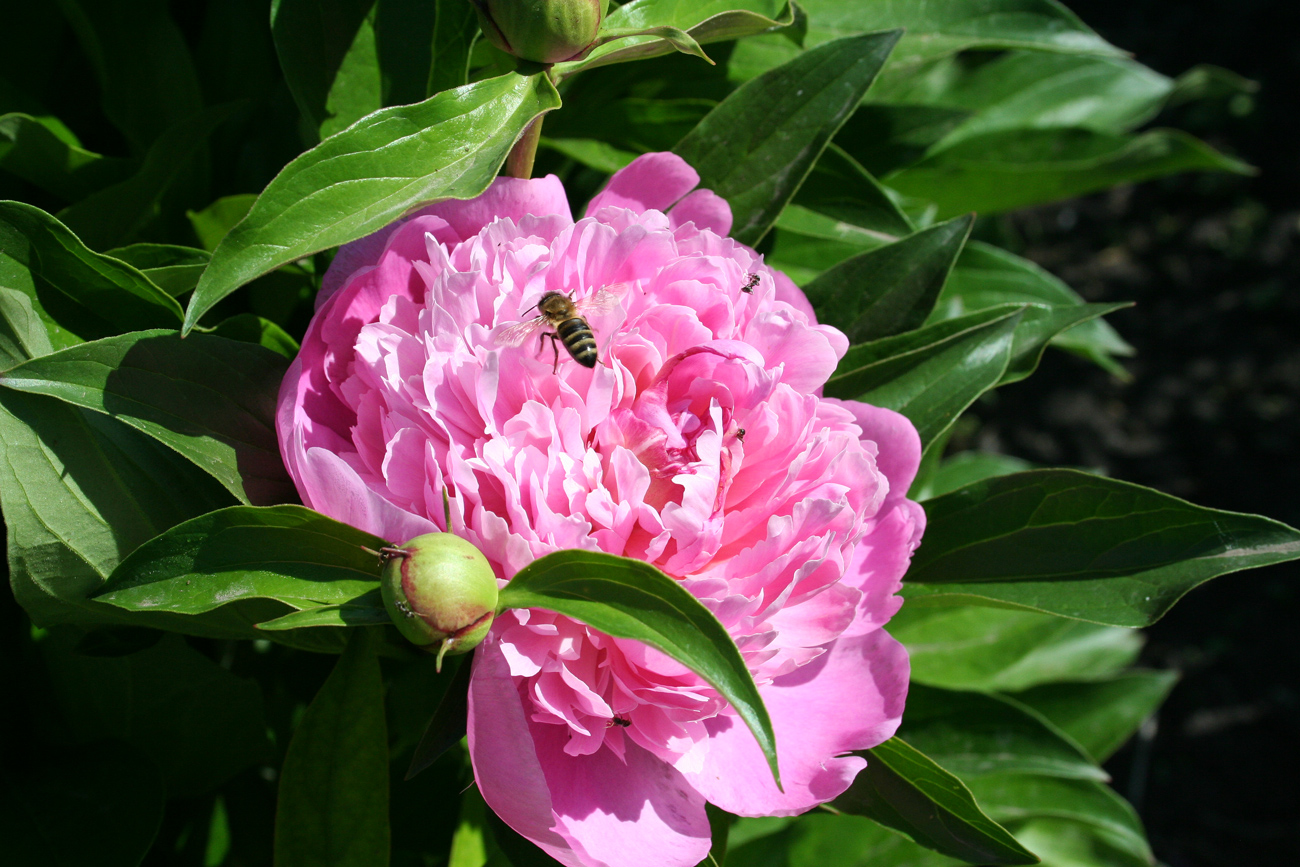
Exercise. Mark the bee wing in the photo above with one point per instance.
(518, 333)
(603, 300)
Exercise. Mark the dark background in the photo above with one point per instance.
(1212, 414)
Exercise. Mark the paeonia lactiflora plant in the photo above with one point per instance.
(550, 462)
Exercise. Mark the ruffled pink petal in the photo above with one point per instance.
(330, 486)
(706, 209)
(650, 182)
(850, 698)
(584, 810)
(899, 455)
(506, 198)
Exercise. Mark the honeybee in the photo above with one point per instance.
(566, 317)
(748, 288)
(619, 721)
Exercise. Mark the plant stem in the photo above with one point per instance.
(519, 164)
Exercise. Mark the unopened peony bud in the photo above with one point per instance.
(439, 589)
(544, 31)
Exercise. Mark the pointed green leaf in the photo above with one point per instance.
(1016, 797)
(79, 491)
(935, 28)
(884, 138)
(1083, 546)
(313, 40)
(333, 801)
(891, 289)
(703, 21)
(22, 334)
(631, 599)
(1070, 842)
(1040, 326)
(839, 187)
(361, 179)
(933, 374)
(118, 214)
(365, 610)
(172, 268)
(971, 734)
(818, 839)
(210, 398)
(1101, 714)
(34, 152)
(447, 725)
(1001, 171)
(82, 293)
(216, 220)
(973, 647)
(251, 328)
(759, 144)
(963, 468)
(455, 27)
(904, 789)
(287, 553)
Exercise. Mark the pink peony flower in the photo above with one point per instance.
(699, 443)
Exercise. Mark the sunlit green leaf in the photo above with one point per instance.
(632, 599)
(1101, 714)
(905, 790)
(1083, 546)
(759, 144)
(34, 152)
(351, 184)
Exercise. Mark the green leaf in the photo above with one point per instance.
(216, 220)
(973, 647)
(357, 181)
(333, 801)
(195, 720)
(455, 27)
(703, 21)
(35, 152)
(891, 289)
(365, 610)
(100, 805)
(79, 491)
(986, 276)
(903, 789)
(146, 77)
(1083, 546)
(287, 553)
(963, 468)
(884, 138)
(251, 328)
(1068, 843)
(1102, 714)
(1040, 326)
(933, 374)
(315, 40)
(1001, 171)
(447, 725)
(118, 214)
(1037, 90)
(472, 844)
(1015, 797)
(83, 294)
(631, 599)
(22, 334)
(759, 144)
(971, 734)
(839, 187)
(171, 267)
(932, 29)
(210, 398)
(818, 839)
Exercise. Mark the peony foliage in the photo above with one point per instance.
(267, 291)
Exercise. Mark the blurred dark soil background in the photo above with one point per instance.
(1212, 414)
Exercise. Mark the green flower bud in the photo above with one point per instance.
(439, 589)
(544, 31)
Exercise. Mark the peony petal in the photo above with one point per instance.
(849, 698)
(506, 198)
(706, 209)
(330, 486)
(650, 182)
(898, 443)
(584, 811)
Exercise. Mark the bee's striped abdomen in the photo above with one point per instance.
(576, 336)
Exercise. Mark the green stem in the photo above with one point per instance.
(519, 164)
